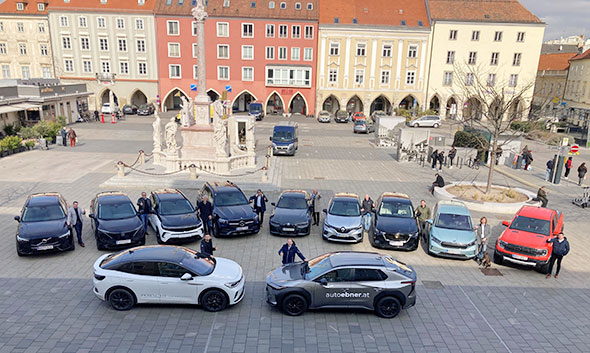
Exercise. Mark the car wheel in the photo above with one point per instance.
(121, 299)
(415, 125)
(159, 238)
(214, 300)
(388, 307)
(215, 230)
(294, 305)
(435, 125)
(544, 269)
(498, 258)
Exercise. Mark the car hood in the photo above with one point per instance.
(284, 216)
(235, 212)
(36, 230)
(396, 225)
(120, 225)
(453, 235)
(286, 273)
(282, 143)
(341, 221)
(523, 238)
(226, 270)
(180, 220)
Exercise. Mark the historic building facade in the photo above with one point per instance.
(577, 91)
(551, 82)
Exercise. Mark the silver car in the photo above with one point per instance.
(347, 279)
(427, 121)
(343, 221)
(324, 116)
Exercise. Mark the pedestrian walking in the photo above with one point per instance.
(205, 209)
(64, 136)
(549, 170)
(542, 196)
(96, 114)
(568, 167)
(452, 154)
(72, 137)
(528, 157)
(561, 247)
(315, 207)
(441, 160)
(434, 158)
(438, 182)
(259, 201)
(367, 206)
(582, 170)
(422, 213)
(288, 252)
(482, 231)
(207, 247)
(74, 220)
(145, 208)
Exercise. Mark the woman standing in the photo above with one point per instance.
(482, 231)
(582, 170)
(568, 167)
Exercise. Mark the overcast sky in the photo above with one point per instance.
(563, 17)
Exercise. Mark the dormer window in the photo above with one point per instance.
(309, 6)
(253, 4)
(20, 6)
(297, 6)
(225, 3)
(271, 4)
(283, 5)
(40, 7)
(103, 1)
(140, 2)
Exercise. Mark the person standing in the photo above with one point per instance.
(542, 196)
(528, 157)
(582, 170)
(568, 167)
(315, 207)
(145, 208)
(367, 206)
(72, 137)
(75, 220)
(259, 200)
(64, 136)
(441, 160)
(207, 247)
(205, 209)
(438, 182)
(482, 231)
(549, 170)
(452, 154)
(561, 247)
(423, 214)
(434, 158)
(288, 252)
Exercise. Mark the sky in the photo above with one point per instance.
(563, 17)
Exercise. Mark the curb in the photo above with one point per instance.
(514, 177)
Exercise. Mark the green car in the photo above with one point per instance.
(450, 233)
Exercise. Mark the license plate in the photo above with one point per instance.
(519, 257)
(396, 243)
(45, 247)
(241, 228)
(126, 241)
(454, 251)
(289, 229)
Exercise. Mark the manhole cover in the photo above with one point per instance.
(319, 178)
(491, 272)
(433, 284)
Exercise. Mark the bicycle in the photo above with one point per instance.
(473, 163)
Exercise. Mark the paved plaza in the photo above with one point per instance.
(47, 304)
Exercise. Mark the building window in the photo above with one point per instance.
(410, 77)
(140, 45)
(41, 27)
(271, 4)
(308, 54)
(283, 5)
(386, 52)
(472, 58)
(498, 36)
(247, 30)
(82, 22)
(20, 6)
(63, 21)
(5, 71)
(2, 48)
(44, 48)
(333, 75)
(222, 51)
(174, 50)
(450, 57)
(101, 22)
(308, 32)
(491, 79)
(195, 50)
(69, 65)
(46, 72)
(385, 75)
(334, 49)
(282, 76)
(225, 3)
(469, 79)
(270, 31)
(412, 51)
(105, 67)
(247, 52)
(142, 68)
(270, 53)
(103, 44)
(120, 23)
(295, 54)
(282, 53)
(26, 72)
(514, 81)
(283, 31)
(448, 78)
(520, 37)
(22, 48)
(495, 58)
(174, 71)
(475, 35)
(84, 43)
(173, 28)
(361, 49)
(453, 34)
(222, 29)
(138, 23)
(223, 72)
(516, 60)
(195, 71)
(40, 7)
(309, 6)
(297, 6)
(122, 44)
(124, 68)
(87, 66)
(247, 74)
(66, 42)
(359, 76)
(20, 27)
(1, 26)
(296, 32)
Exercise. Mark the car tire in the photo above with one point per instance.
(544, 269)
(214, 300)
(498, 260)
(388, 307)
(215, 229)
(294, 305)
(435, 125)
(121, 299)
(415, 125)
(159, 238)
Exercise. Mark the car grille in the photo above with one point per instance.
(44, 241)
(181, 229)
(447, 244)
(397, 237)
(241, 223)
(524, 250)
(119, 236)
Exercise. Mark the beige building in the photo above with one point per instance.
(498, 44)
(577, 92)
(370, 57)
(25, 50)
(551, 82)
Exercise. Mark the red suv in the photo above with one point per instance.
(524, 242)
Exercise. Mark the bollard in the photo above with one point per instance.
(264, 175)
(113, 119)
(121, 169)
(141, 157)
(193, 171)
(102, 118)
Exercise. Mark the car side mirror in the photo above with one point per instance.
(272, 204)
(17, 218)
(505, 223)
(186, 277)
(325, 210)
(324, 282)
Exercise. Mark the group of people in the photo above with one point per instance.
(68, 135)
(568, 164)
(439, 157)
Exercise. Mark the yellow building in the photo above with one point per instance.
(372, 56)
(577, 92)
(551, 82)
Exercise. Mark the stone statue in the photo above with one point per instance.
(220, 130)
(185, 116)
(250, 139)
(157, 132)
(199, 12)
(171, 129)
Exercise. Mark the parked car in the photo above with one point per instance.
(164, 274)
(450, 233)
(42, 225)
(232, 213)
(146, 109)
(395, 226)
(255, 110)
(285, 139)
(324, 116)
(378, 114)
(115, 221)
(427, 120)
(291, 215)
(524, 242)
(358, 115)
(106, 109)
(341, 116)
(129, 109)
(363, 126)
(174, 217)
(343, 221)
(345, 279)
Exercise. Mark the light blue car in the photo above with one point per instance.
(450, 233)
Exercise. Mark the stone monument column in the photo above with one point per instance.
(202, 100)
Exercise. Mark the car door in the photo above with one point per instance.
(368, 282)
(172, 288)
(154, 217)
(143, 280)
(334, 292)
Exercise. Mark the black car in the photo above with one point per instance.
(232, 213)
(174, 217)
(115, 221)
(42, 225)
(129, 109)
(292, 215)
(395, 226)
(341, 117)
(146, 109)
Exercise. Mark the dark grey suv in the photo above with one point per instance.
(346, 279)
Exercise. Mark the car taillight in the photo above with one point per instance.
(413, 283)
(99, 277)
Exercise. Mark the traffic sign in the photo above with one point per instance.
(228, 88)
(193, 87)
(565, 141)
(575, 149)
(556, 100)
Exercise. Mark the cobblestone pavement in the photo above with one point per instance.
(46, 302)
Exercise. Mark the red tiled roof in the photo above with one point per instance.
(584, 55)
(9, 6)
(375, 12)
(481, 11)
(107, 6)
(558, 62)
(243, 8)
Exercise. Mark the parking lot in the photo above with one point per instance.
(47, 304)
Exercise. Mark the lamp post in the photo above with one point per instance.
(202, 99)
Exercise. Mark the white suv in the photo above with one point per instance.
(427, 120)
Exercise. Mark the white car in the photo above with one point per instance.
(174, 217)
(428, 120)
(168, 275)
(106, 108)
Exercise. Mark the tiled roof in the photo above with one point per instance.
(555, 62)
(481, 11)
(30, 7)
(249, 9)
(406, 13)
(559, 48)
(583, 56)
(103, 6)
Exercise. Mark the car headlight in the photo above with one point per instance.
(303, 224)
(274, 145)
(360, 226)
(543, 252)
(378, 232)
(223, 221)
(233, 284)
(274, 224)
(471, 244)
(435, 239)
(502, 243)
(290, 146)
(64, 235)
(21, 238)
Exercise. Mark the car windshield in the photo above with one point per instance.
(144, 106)
(282, 135)
(230, 198)
(345, 208)
(196, 264)
(255, 108)
(294, 203)
(318, 265)
(112, 211)
(43, 213)
(342, 114)
(173, 207)
(533, 225)
(396, 209)
(454, 221)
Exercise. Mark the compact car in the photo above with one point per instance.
(324, 116)
(363, 126)
(450, 233)
(291, 215)
(129, 109)
(428, 121)
(146, 109)
(394, 226)
(341, 116)
(343, 220)
(174, 218)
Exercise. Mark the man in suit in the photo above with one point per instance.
(75, 220)
(315, 206)
(259, 201)
(206, 213)
(145, 208)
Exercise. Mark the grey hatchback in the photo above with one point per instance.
(344, 279)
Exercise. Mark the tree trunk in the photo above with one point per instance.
(492, 160)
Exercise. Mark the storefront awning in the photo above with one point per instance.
(25, 106)
(9, 109)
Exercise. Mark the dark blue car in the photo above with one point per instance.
(395, 226)
(42, 225)
(292, 215)
(284, 139)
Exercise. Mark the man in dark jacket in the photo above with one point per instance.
(145, 208)
(288, 252)
(441, 159)
(434, 158)
(259, 201)
(314, 204)
(561, 247)
(367, 206)
(452, 154)
(205, 209)
(207, 247)
(438, 182)
(542, 196)
(549, 171)
(423, 214)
